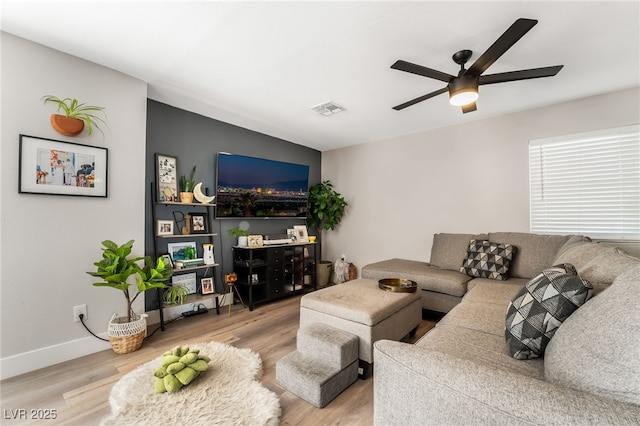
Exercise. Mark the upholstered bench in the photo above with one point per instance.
(362, 308)
(324, 364)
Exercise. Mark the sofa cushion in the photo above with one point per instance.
(426, 276)
(486, 259)
(494, 292)
(597, 349)
(540, 307)
(448, 250)
(535, 252)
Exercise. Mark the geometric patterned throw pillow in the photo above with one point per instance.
(488, 260)
(540, 307)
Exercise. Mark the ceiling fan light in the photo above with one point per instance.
(463, 90)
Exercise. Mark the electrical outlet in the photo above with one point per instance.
(77, 310)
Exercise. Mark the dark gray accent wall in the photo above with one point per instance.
(195, 140)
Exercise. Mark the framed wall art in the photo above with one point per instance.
(48, 166)
(166, 178)
(198, 222)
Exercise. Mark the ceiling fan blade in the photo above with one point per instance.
(420, 70)
(519, 75)
(501, 45)
(420, 99)
(469, 107)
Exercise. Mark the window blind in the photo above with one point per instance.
(587, 184)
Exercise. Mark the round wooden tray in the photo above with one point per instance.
(398, 285)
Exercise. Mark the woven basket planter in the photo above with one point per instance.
(126, 336)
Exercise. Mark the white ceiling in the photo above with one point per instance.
(263, 65)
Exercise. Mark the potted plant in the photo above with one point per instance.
(175, 295)
(126, 333)
(242, 236)
(75, 115)
(326, 208)
(186, 187)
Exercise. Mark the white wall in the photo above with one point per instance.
(466, 178)
(48, 242)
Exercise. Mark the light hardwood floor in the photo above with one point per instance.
(79, 389)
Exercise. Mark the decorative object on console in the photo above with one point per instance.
(540, 307)
(201, 196)
(255, 241)
(241, 234)
(302, 235)
(48, 166)
(166, 178)
(114, 269)
(75, 116)
(488, 260)
(186, 187)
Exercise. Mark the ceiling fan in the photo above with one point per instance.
(463, 88)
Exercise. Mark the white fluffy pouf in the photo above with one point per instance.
(229, 392)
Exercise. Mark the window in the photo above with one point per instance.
(587, 184)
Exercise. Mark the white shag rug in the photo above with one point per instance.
(228, 393)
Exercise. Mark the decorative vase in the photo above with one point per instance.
(127, 336)
(243, 241)
(68, 126)
(186, 197)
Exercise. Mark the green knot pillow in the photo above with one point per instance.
(179, 367)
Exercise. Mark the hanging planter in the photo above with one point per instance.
(67, 126)
(75, 116)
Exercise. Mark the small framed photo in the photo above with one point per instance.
(291, 233)
(301, 233)
(48, 166)
(198, 222)
(182, 251)
(166, 178)
(164, 227)
(255, 241)
(207, 285)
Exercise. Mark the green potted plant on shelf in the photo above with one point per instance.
(116, 269)
(186, 187)
(175, 295)
(242, 236)
(74, 116)
(326, 208)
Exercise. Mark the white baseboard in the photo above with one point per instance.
(26, 362)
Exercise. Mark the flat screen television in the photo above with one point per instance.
(248, 187)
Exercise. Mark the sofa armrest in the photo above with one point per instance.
(417, 385)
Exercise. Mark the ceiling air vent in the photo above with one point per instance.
(328, 108)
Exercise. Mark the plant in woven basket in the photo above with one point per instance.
(116, 267)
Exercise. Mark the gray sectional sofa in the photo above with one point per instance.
(461, 371)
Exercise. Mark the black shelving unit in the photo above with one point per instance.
(161, 210)
(272, 272)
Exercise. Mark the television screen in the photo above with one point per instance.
(251, 187)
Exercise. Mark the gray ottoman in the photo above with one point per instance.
(360, 307)
(325, 364)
